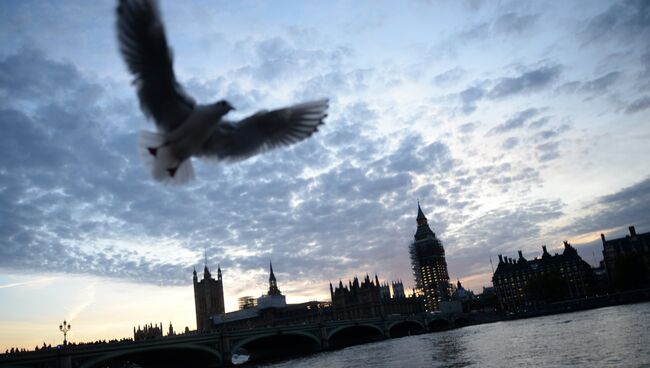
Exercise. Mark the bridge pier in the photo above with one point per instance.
(226, 354)
(324, 341)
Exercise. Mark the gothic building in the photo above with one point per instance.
(627, 259)
(429, 265)
(369, 299)
(208, 298)
(523, 284)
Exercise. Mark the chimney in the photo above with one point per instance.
(520, 255)
(602, 237)
(544, 249)
(500, 258)
(632, 231)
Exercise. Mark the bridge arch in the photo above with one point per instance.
(354, 334)
(405, 328)
(438, 324)
(461, 322)
(144, 353)
(273, 345)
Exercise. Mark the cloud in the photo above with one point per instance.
(641, 103)
(595, 86)
(548, 151)
(469, 97)
(449, 77)
(467, 128)
(623, 20)
(527, 82)
(513, 23)
(277, 58)
(524, 83)
(509, 24)
(515, 122)
(488, 236)
(626, 207)
(510, 143)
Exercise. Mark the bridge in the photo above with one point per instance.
(215, 349)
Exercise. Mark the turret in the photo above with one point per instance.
(545, 252)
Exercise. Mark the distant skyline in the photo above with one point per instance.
(516, 124)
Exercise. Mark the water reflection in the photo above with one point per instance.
(451, 351)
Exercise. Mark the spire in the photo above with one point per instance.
(218, 272)
(423, 231)
(206, 271)
(273, 284)
(194, 277)
(420, 214)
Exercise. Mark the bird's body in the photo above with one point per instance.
(167, 151)
(186, 129)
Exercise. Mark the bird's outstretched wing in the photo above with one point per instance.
(143, 45)
(264, 131)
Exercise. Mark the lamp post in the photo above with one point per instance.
(65, 327)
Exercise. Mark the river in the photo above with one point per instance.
(607, 337)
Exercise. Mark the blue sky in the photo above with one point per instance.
(516, 124)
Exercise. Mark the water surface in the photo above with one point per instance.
(607, 337)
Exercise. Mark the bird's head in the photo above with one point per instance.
(224, 106)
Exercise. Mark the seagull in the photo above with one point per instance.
(186, 129)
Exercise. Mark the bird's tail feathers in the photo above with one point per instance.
(148, 145)
(164, 166)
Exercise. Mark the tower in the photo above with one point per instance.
(429, 264)
(208, 297)
(273, 298)
(273, 284)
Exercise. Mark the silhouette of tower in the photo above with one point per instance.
(273, 284)
(208, 297)
(429, 265)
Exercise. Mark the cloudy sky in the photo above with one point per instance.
(516, 124)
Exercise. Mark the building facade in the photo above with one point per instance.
(271, 309)
(523, 285)
(208, 298)
(627, 259)
(429, 265)
(369, 298)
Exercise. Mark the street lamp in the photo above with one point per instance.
(65, 327)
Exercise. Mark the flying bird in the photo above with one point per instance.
(186, 129)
